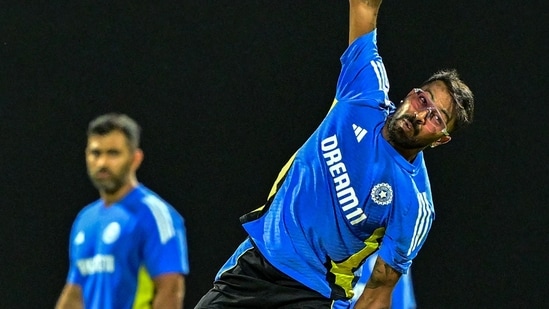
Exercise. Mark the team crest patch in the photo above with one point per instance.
(111, 233)
(382, 194)
(80, 238)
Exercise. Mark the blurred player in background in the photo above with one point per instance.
(128, 249)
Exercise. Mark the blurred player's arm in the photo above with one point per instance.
(378, 289)
(170, 291)
(362, 17)
(71, 298)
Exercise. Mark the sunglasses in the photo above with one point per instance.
(434, 121)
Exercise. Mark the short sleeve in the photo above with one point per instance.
(363, 76)
(73, 275)
(407, 230)
(164, 238)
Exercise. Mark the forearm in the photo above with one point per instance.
(70, 298)
(167, 302)
(64, 303)
(170, 291)
(370, 3)
(378, 289)
(379, 298)
(362, 17)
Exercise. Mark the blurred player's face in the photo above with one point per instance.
(110, 161)
(423, 118)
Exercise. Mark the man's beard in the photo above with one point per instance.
(112, 184)
(398, 137)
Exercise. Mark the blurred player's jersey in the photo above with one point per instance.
(346, 192)
(116, 250)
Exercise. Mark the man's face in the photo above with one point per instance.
(109, 161)
(417, 124)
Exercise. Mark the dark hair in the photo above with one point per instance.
(463, 96)
(107, 123)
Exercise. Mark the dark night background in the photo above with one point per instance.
(226, 91)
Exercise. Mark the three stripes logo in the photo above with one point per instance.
(359, 132)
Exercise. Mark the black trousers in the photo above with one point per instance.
(254, 283)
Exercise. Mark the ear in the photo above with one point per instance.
(441, 141)
(137, 158)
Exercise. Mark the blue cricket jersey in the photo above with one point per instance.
(346, 192)
(115, 251)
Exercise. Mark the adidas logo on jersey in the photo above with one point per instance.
(359, 132)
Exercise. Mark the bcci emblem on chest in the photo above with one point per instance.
(382, 194)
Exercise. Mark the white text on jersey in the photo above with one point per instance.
(98, 264)
(345, 193)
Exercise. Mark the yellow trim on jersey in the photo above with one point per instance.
(281, 176)
(144, 292)
(333, 103)
(258, 212)
(344, 271)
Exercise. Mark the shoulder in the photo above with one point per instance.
(89, 209)
(149, 204)
(363, 46)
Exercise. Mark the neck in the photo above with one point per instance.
(111, 197)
